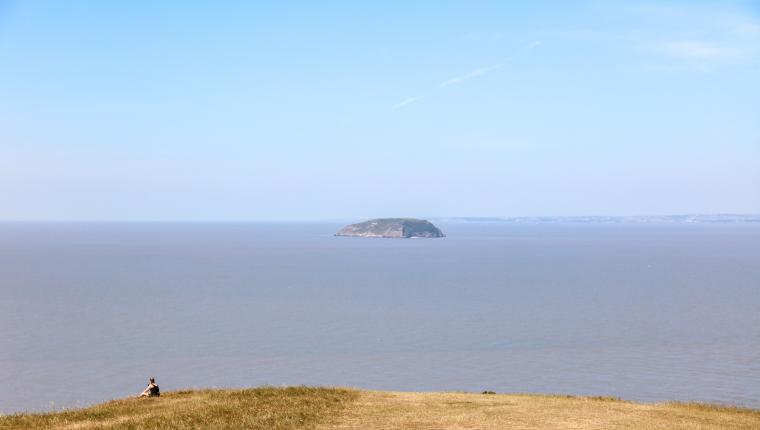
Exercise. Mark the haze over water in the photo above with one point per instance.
(645, 312)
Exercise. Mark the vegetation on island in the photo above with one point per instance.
(392, 228)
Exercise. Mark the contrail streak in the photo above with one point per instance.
(473, 74)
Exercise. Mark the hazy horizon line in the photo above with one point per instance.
(348, 218)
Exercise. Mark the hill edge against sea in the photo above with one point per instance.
(323, 408)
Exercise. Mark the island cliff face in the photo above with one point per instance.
(392, 227)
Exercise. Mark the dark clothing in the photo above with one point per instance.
(154, 391)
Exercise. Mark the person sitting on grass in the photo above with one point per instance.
(152, 390)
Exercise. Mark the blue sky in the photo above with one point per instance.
(320, 110)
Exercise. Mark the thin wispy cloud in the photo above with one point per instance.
(747, 28)
(699, 50)
(699, 37)
(533, 45)
(474, 74)
(685, 56)
(471, 75)
(408, 101)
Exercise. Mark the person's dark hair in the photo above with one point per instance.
(152, 380)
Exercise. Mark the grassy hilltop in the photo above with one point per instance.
(335, 408)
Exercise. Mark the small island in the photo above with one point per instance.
(392, 228)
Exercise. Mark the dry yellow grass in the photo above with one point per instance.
(394, 410)
(257, 408)
(335, 409)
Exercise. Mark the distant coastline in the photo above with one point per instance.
(637, 219)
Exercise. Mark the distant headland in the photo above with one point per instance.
(392, 228)
(642, 219)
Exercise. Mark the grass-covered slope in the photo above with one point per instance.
(329, 408)
(257, 408)
(396, 411)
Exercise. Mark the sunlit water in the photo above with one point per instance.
(645, 312)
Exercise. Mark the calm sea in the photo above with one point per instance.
(646, 312)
